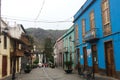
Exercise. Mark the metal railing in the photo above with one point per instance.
(92, 34)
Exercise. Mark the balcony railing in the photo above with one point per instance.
(19, 52)
(66, 49)
(91, 35)
(25, 40)
(77, 42)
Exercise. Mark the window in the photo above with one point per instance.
(5, 41)
(76, 32)
(70, 43)
(20, 47)
(106, 17)
(66, 41)
(83, 27)
(92, 23)
(70, 40)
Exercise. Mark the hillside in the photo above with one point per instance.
(39, 35)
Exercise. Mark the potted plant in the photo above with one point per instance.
(68, 65)
(27, 68)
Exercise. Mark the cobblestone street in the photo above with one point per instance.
(47, 74)
(52, 74)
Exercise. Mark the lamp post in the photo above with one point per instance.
(14, 61)
(0, 18)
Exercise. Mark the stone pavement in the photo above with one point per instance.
(52, 74)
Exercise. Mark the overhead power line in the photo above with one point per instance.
(44, 21)
(40, 10)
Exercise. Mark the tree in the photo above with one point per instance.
(48, 49)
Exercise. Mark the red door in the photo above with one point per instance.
(4, 66)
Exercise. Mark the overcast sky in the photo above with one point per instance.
(44, 14)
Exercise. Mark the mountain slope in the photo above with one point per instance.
(39, 35)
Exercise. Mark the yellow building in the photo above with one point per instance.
(11, 49)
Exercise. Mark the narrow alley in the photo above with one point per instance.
(59, 40)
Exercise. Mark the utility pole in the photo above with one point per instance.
(14, 61)
(0, 20)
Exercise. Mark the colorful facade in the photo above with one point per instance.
(68, 46)
(99, 36)
(12, 47)
(4, 53)
(58, 52)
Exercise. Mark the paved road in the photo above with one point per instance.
(52, 74)
(48, 74)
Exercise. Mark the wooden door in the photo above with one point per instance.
(4, 66)
(109, 56)
(63, 61)
(11, 65)
(95, 58)
(85, 57)
(17, 64)
(78, 56)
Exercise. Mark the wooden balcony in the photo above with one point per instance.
(25, 40)
(19, 53)
(92, 35)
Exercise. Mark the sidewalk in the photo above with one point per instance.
(97, 76)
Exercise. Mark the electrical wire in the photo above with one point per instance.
(40, 10)
(45, 21)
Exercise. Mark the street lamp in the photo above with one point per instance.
(0, 17)
(14, 61)
(6, 30)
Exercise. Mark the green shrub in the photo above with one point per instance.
(36, 61)
(68, 64)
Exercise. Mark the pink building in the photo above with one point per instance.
(58, 51)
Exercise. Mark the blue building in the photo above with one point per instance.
(99, 36)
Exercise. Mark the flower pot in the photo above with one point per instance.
(27, 71)
(68, 71)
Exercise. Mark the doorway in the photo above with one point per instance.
(85, 58)
(95, 58)
(78, 56)
(17, 64)
(4, 66)
(109, 56)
